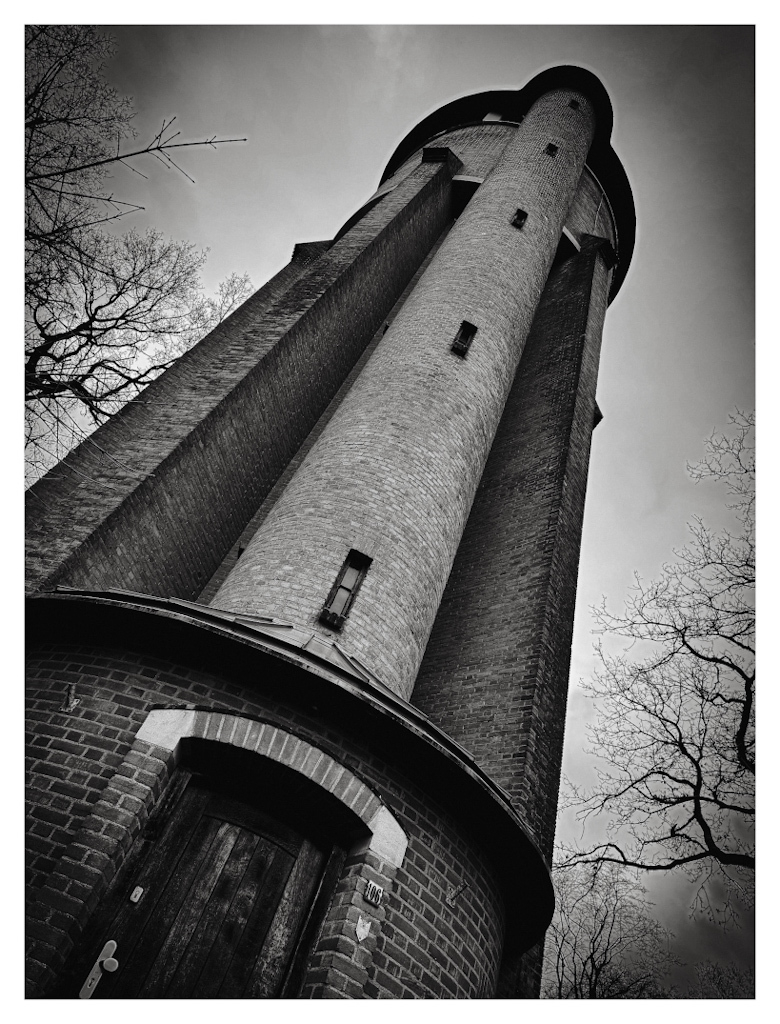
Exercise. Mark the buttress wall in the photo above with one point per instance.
(495, 672)
(153, 501)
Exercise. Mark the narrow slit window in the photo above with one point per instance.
(344, 591)
(464, 338)
(551, 149)
(519, 219)
(574, 104)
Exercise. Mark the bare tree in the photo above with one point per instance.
(722, 981)
(674, 734)
(603, 942)
(105, 312)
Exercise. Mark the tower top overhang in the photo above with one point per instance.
(512, 105)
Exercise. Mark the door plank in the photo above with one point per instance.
(140, 935)
(216, 917)
(268, 972)
(190, 909)
(258, 923)
(318, 908)
(258, 876)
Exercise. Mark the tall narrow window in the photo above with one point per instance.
(519, 219)
(345, 589)
(550, 149)
(464, 338)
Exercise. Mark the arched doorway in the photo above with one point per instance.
(224, 889)
(216, 905)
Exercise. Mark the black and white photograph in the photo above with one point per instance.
(389, 452)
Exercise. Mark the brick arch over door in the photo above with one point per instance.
(97, 851)
(165, 730)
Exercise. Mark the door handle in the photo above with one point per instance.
(104, 962)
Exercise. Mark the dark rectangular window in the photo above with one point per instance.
(574, 104)
(550, 149)
(344, 591)
(464, 338)
(519, 219)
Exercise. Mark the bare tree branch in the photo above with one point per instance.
(674, 733)
(603, 942)
(105, 313)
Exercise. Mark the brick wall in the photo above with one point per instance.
(393, 474)
(98, 474)
(495, 672)
(422, 946)
(477, 146)
(219, 577)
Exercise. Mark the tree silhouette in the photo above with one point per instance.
(603, 942)
(674, 734)
(105, 312)
(722, 981)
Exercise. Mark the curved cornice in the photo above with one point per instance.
(513, 105)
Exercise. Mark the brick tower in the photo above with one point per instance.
(301, 615)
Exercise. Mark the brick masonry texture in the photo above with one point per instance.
(395, 471)
(99, 473)
(329, 413)
(259, 517)
(495, 673)
(420, 946)
(478, 147)
(187, 464)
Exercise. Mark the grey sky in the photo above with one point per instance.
(324, 108)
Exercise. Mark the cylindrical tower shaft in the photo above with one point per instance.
(381, 481)
(394, 474)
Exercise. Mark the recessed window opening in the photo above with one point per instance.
(464, 338)
(574, 104)
(344, 590)
(519, 219)
(550, 149)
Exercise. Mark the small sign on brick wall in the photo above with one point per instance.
(453, 894)
(373, 893)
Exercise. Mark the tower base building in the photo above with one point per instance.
(300, 620)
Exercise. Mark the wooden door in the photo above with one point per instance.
(227, 892)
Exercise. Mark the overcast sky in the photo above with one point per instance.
(323, 109)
